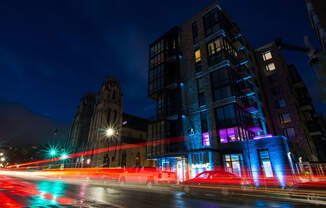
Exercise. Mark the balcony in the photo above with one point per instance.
(246, 87)
(248, 104)
(221, 56)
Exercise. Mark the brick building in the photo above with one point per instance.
(282, 104)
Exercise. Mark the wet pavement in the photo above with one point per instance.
(18, 192)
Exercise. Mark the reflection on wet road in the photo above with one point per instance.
(16, 192)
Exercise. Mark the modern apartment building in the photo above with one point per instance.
(202, 75)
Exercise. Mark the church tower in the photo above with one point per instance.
(107, 117)
(79, 131)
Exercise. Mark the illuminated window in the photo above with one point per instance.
(210, 47)
(267, 56)
(217, 45)
(233, 163)
(214, 46)
(289, 132)
(285, 118)
(205, 137)
(233, 134)
(197, 56)
(265, 163)
(270, 67)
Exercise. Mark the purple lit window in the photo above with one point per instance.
(205, 137)
(230, 134)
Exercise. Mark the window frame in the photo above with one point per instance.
(283, 118)
(286, 132)
(268, 68)
(267, 58)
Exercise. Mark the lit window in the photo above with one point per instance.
(289, 132)
(267, 55)
(231, 134)
(285, 118)
(205, 137)
(265, 163)
(197, 56)
(270, 67)
(233, 163)
(211, 50)
(218, 45)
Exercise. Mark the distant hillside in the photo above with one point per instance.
(20, 126)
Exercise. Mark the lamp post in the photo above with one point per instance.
(109, 133)
(63, 157)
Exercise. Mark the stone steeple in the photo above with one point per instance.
(79, 131)
(107, 114)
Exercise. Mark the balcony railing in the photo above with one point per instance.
(221, 56)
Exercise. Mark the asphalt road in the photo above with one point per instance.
(36, 192)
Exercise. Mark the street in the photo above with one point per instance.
(39, 192)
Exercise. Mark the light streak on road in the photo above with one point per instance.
(152, 143)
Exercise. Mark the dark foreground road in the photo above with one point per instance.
(36, 192)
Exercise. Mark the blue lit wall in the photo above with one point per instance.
(278, 151)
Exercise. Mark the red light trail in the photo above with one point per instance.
(152, 143)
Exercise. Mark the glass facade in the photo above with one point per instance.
(221, 81)
(218, 102)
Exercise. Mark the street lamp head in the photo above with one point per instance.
(109, 132)
(53, 152)
(64, 156)
(3, 159)
(88, 161)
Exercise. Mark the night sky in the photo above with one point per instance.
(52, 52)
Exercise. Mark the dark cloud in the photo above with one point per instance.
(20, 126)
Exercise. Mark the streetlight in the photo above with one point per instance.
(3, 159)
(53, 152)
(88, 161)
(109, 132)
(64, 156)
